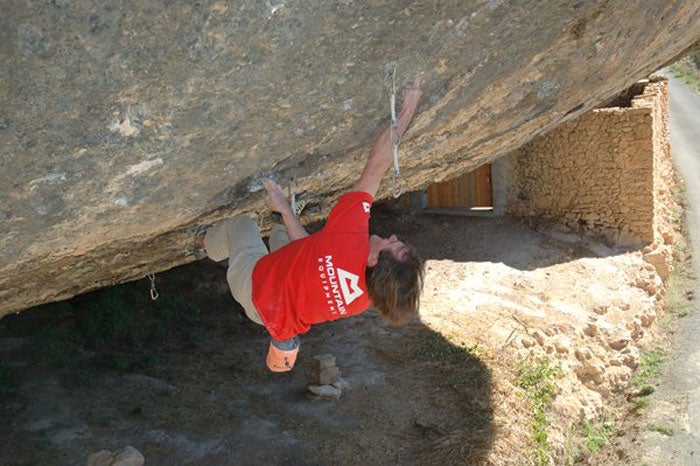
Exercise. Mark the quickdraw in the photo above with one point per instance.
(154, 292)
(296, 203)
(390, 84)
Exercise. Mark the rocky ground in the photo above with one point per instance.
(527, 335)
(659, 428)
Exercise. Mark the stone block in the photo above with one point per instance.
(323, 361)
(342, 384)
(324, 370)
(327, 375)
(324, 392)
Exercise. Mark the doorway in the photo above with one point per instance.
(471, 192)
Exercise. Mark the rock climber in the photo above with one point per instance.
(338, 272)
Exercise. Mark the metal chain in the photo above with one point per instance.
(154, 292)
(396, 186)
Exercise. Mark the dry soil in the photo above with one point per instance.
(499, 296)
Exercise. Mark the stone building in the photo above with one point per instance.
(608, 173)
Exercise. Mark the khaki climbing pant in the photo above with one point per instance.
(238, 238)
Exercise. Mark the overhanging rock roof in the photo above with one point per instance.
(122, 125)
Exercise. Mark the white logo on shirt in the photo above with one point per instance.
(340, 287)
(349, 285)
(366, 206)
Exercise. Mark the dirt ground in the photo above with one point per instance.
(184, 380)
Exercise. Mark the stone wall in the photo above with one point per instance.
(608, 172)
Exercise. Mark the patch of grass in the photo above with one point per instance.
(435, 346)
(115, 328)
(127, 328)
(661, 428)
(572, 447)
(125, 315)
(461, 368)
(112, 316)
(684, 309)
(596, 435)
(56, 345)
(84, 377)
(641, 403)
(537, 378)
(687, 69)
(677, 302)
(586, 439)
(687, 72)
(650, 366)
(666, 322)
(572, 452)
(462, 360)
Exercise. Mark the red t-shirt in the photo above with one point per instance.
(317, 278)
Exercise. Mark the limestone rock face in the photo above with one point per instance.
(123, 124)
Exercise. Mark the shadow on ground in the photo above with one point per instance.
(502, 239)
(183, 380)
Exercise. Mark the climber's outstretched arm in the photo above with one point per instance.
(381, 156)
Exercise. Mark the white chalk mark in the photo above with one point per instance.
(120, 201)
(144, 166)
(51, 178)
(273, 6)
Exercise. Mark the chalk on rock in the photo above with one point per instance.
(324, 392)
(128, 456)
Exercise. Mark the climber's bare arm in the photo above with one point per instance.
(277, 202)
(381, 156)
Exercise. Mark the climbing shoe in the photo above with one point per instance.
(197, 249)
(281, 355)
(297, 205)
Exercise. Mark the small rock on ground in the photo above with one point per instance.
(128, 456)
(325, 392)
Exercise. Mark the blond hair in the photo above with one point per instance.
(395, 285)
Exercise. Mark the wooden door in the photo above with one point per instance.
(469, 191)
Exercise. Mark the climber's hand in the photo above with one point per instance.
(275, 197)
